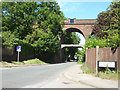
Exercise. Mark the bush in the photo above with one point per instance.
(93, 41)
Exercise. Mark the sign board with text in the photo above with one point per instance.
(18, 48)
(107, 64)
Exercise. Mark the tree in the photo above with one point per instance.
(50, 17)
(18, 17)
(9, 39)
(45, 43)
(107, 25)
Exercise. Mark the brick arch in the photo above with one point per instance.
(83, 25)
(75, 30)
(83, 29)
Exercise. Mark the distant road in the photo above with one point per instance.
(37, 76)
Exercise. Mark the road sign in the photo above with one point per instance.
(107, 64)
(18, 48)
(112, 64)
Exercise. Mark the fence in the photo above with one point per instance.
(102, 54)
(10, 54)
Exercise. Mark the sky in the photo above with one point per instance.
(82, 10)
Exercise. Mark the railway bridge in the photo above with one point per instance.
(83, 26)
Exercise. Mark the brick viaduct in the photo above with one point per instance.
(83, 26)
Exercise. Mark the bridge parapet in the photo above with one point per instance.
(80, 21)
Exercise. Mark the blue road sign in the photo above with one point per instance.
(18, 48)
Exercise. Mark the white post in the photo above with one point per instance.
(86, 56)
(18, 57)
(97, 47)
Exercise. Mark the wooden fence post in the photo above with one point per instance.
(86, 56)
(97, 48)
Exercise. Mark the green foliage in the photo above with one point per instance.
(70, 38)
(108, 74)
(82, 53)
(9, 39)
(77, 54)
(79, 62)
(50, 17)
(111, 75)
(43, 42)
(18, 17)
(106, 29)
(85, 69)
(93, 41)
(107, 71)
(33, 61)
(80, 56)
(28, 62)
(18, 22)
(108, 25)
(27, 49)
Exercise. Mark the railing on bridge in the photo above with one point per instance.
(72, 45)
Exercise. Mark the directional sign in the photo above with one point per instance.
(18, 48)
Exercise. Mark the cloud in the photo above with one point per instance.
(69, 9)
(61, 4)
(68, 6)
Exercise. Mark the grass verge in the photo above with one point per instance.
(35, 61)
(79, 62)
(107, 74)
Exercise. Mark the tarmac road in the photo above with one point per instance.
(32, 76)
(44, 76)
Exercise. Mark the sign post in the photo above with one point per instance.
(18, 57)
(18, 50)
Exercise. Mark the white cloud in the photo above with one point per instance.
(61, 4)
(71, 9)
(64, 8)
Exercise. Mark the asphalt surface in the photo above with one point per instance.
(32, 76)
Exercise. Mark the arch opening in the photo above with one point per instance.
(70, 49)
(69, 30)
